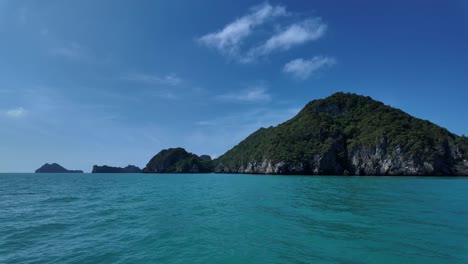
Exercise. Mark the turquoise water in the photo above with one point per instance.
(214, 218)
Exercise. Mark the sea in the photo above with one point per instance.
(225, 218)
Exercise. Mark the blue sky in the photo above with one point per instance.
(114, 82)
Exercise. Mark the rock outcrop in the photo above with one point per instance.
(205, 157)
(55, 168)
(177, 160)
(109, 169)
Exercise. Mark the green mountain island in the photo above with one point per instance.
(344, 134)
(55, 168)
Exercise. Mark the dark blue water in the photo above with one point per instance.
(214, 218)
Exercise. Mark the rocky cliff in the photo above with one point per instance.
(348, 134)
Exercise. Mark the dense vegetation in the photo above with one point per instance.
(109, 169)
(178, 160)
(342, 123)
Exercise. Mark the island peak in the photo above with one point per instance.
(55, 168)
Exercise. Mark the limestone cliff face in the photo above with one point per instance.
(326, 164)
(363, 160)
(462, 168)
(380, 160)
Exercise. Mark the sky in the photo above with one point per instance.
(115, 81)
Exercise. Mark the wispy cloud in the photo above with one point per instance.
(166, 95)
(169, 79)
(16, 112)
(232, 42)
(252, 94)
(256, 118)
(206, 123)
(228, 40)
(72, 51)
(303, 68)
(294, 35)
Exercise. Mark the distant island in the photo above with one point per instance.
(109, 169)
(55, 168)
(344, 134)
(178, 160)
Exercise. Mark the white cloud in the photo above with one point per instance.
(294, 35)
(73, 51)
(16, 112)
(166, 95)
(303, 69)
(229, 39)
(170, 79)
(249, 95)
(255, 118)
(206, 123)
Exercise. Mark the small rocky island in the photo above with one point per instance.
(178, 160)
(55, 168)
(109, 169)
